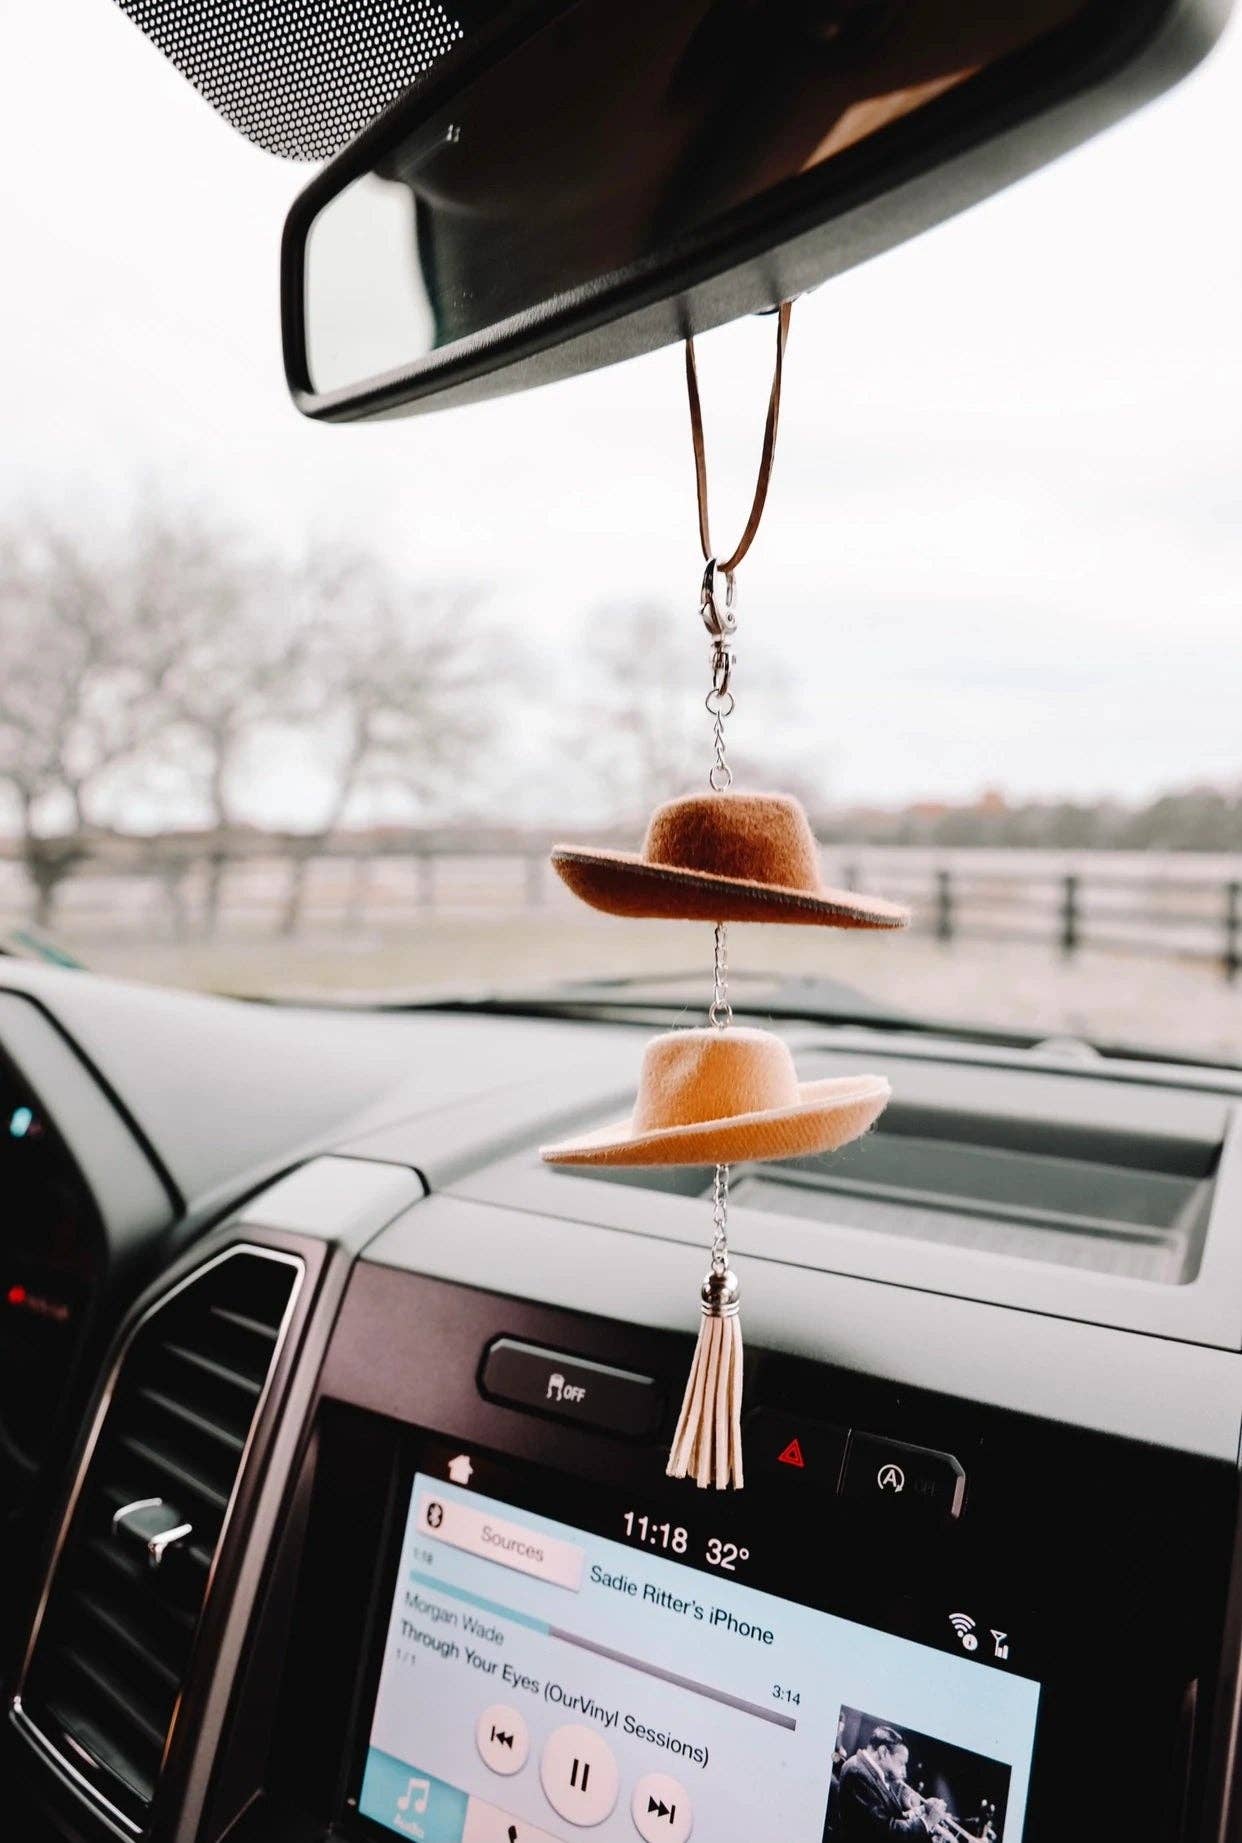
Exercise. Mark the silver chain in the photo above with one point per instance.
(720, 1011)
(720, 703)
(720, 706)
(719, 614)
(718, 611)
(720, 1217)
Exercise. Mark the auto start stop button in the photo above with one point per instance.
(571, 1388)
(916, 1477)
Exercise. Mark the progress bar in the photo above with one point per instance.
(670, 1676)
(499, 1611)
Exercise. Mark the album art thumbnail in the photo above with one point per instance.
(890, 1780)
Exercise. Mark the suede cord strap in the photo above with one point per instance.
(766, 458)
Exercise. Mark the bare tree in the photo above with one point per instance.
(213, 632)
(648, 735)
(399, 677)
(150, 671)
(67, 710)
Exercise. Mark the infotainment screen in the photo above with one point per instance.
(543, 1681)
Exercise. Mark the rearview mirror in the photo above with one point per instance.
(586, 181)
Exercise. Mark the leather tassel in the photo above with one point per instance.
(707, 1445)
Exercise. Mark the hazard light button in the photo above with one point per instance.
(792, 1447)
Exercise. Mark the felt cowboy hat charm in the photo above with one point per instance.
(722, 857)
(718, 1097)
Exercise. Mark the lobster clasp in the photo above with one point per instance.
(718, 601)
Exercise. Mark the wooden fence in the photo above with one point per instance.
(1185, 906)
(1183, 916)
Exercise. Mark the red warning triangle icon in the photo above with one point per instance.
(792, 1455)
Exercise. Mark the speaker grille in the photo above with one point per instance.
(300, 80)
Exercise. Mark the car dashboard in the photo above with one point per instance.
(333, 1430)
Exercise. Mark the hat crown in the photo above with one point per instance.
(690, 1076)
(754, 838)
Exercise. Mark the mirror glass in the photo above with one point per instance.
(617, 138)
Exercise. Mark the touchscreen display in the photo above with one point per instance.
(540, 1682)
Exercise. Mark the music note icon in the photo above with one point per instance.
(414, 1800)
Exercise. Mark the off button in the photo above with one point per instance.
(571, 1388)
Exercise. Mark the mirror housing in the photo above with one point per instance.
(581, 182)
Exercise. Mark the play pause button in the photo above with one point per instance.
(579, 1775)
(661, 1810)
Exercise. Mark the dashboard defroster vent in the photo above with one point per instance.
(117, 1628)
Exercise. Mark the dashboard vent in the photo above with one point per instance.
(116, 1633)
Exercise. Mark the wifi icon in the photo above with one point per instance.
(964, 1626)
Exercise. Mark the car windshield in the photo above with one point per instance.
(291, 712)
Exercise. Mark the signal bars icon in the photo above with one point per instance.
(964, 1626)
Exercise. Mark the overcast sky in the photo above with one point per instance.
(1004, 543)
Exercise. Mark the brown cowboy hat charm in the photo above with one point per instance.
(720, 1097)
(722, 857)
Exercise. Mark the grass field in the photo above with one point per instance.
(394, 927)
(1111, 997)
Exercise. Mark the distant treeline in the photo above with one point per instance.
(1199, 819)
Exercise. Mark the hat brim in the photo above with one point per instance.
(829, 1114)
(623, 883)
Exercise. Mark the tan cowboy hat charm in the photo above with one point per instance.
(721, 1097)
